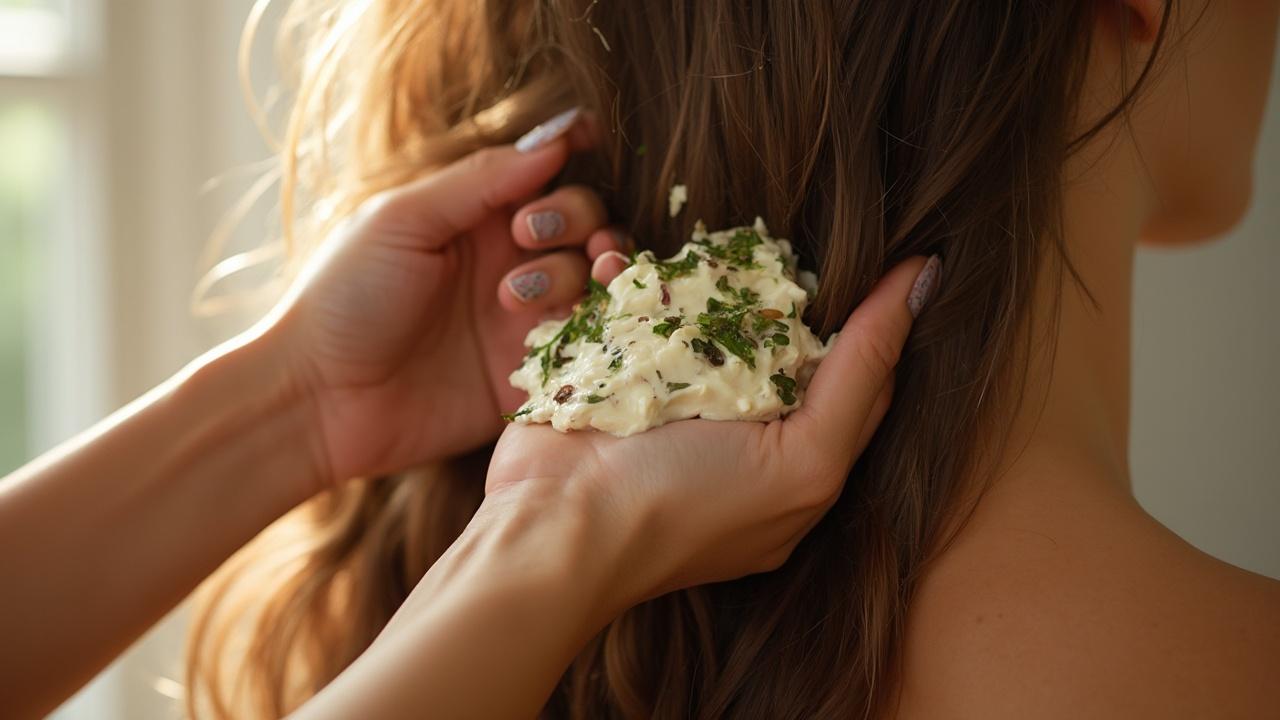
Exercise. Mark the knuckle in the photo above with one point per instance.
(817, 493)
(585, 199)
(817, 483)
(481, 161)
(878, 353)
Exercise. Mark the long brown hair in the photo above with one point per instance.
(865, 131)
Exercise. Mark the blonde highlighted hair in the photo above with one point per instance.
(867, 131)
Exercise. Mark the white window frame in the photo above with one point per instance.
(69, 355)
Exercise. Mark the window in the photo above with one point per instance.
(114, 117)
(28, 141)
(51, 301)
(46, 48)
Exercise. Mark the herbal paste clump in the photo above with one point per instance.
(714, 332)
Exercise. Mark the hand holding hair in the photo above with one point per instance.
(402, 329)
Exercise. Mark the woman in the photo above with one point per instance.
(985, 556)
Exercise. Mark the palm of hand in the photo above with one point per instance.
(411, 345)
(710, 500)
(700, 501)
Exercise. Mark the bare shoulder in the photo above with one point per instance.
(1062, 598)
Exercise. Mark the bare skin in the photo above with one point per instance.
(383, 355)
(1062, 597)
(339, 382)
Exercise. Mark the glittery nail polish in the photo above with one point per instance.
(529, 286)
(923, 288)
(545, 225)
(547, 131)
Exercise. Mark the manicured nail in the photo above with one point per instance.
(530, 286)
(926, 283)
(600, 269)
(615, 256)
(547, 131)
(545, 225)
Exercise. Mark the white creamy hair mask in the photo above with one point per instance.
(713, 332)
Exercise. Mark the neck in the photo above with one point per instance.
(1076, 406)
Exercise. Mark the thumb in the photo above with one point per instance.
(440, 206)
(841, 400)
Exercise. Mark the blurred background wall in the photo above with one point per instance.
(115, 115)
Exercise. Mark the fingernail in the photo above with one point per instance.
(547, 131)
(529, 286)
(545, 225)
(925, 283)
(616, 256)
(600, 269)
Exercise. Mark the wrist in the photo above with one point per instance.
(249, 396)
(542, 540)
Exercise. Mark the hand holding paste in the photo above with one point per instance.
(712, 332)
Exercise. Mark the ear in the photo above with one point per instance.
(1136, 21)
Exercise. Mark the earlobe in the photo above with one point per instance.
(1142, 19)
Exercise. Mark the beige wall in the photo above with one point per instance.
(1205, 445)
(1206, 395)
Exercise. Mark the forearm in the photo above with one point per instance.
(102, 536)
(491, 628)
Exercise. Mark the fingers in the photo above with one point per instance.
(556, 280)
(608, 266)
(878, 411)
(434, 209)
(606, 239)
(548, 281)
(568, 216)
(841, 401)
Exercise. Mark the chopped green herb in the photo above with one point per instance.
(638, 284)
(672, 387)
(678, 268)
(792, 314)
(739, 251)
(587, 321)
(617, 360)
(777, 340)
(760, 324)
(592, 399)
(725, 332)
(785, 386)
(723, 284)
(722, 323)
(712, 353)
(667, 326)
(512, 416)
